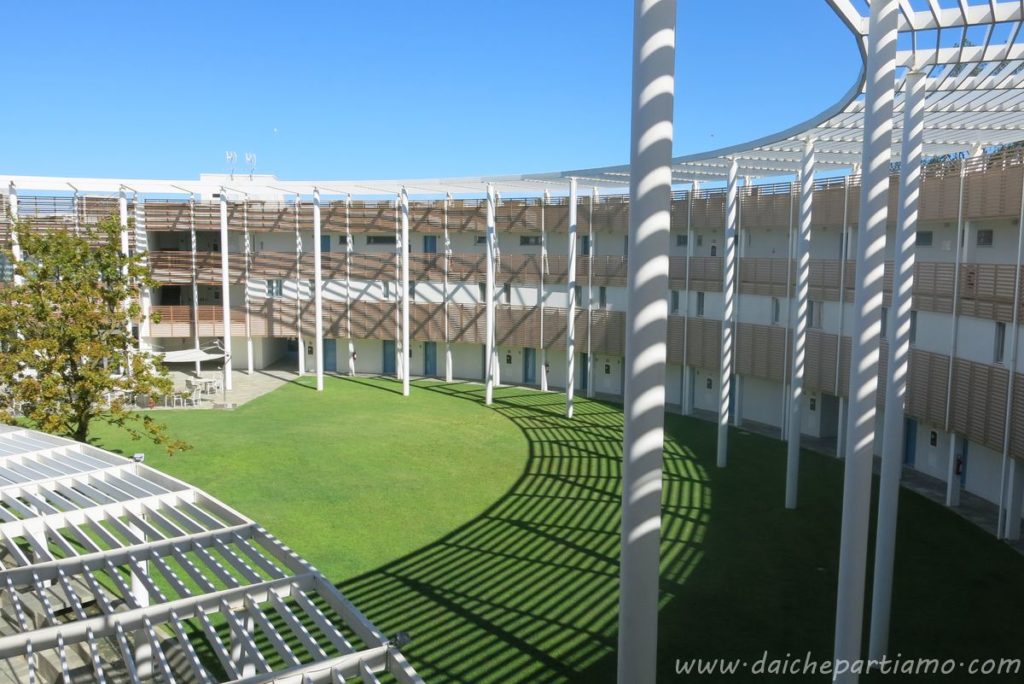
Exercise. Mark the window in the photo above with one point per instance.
(885, 322)
(924, 238)
(343, 239)
(586, 245)
(579, 295)
(682, 240)
(386, 287)
(700, 303)
(776, 310)
(381, 240)
(984, 238)
(275, 288)
(506, 291)
(480, 240)
(430, 244)
(675, 301)
(412, 292)
(700, 240)
(1000, 350)
(913, 327)
(529, 240)
(933, 438)
(714, 250)
(814, 315)
(483, 292)
(602, 297)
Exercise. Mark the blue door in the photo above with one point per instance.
(430, 244)
(430, 359)
(529, 366)
(909, 442)
(583, 373)
(330, 355)
(325, 243)
(389, 357)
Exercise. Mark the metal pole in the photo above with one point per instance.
(1002, 526)
(728, 313)
(195, 280)
(405, 291)
(318, 302)
(248, 303)
(447, 294)
(543, 356)
(952, 493)
(880, 74)
(803, 274)
(348, 288)
(225, 287)
(570, 309)
(650, 203)
(489, 297)
(298, 290)
(899, 359)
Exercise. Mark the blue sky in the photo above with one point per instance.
(388, 89)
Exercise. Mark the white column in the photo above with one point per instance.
(400, 353)
(589, 370)
(248, 306)
(880, 75)
(298, 289)
(405, 291)
(650, 202)
(122, 210)
(489, 300)
(899, 360)
(803, 272)
(728, 312)
(225, 287)
(844, 255)
(570, 310)
(542, 357)
(318, 302)
(686, 398)
(195, 278)
(12, 199)
(348, 289)
(962, 235)
(145, 293)
(786, 359)
(447, 294)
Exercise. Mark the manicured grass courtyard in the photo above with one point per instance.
(491, 534)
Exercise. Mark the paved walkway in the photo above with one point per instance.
(245, 387)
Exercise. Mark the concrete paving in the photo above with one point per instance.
(245, 387)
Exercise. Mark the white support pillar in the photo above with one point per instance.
(225, 287)
(570, 310)
(591, 251)
(400, 353)
(728, 312)
(145, 293)
(899, 361)
(542, 357)
(248, 304)
(489, 357)
(405, 291)
(880, 72)
(803, 274)
(298, 289)
(841, 428)
(447, 294)
(844, 255)
(12, 200)
(318, 302)
(122, 211)
(686, 391)
(786, 359)
(195, 278)
(647, 282)
(348, 288)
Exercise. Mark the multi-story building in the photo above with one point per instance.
(962, 370)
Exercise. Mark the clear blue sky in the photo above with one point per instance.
(383, 89)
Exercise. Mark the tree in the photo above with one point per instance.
(67, 353)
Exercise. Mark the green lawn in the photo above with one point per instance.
(491, 534)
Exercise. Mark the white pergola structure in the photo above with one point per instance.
(112, 571)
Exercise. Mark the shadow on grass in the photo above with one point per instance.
(528, 590)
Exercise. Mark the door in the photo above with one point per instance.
(330, 355)
(430, 244)
(430, 359)
(389, 357)
(325, 243)
(963, 462)
(909, 442)
(529, 366)
(583, 373)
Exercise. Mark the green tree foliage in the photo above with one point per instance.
(67, 354)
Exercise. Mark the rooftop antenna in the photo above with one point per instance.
(250, 159)
(231, 157)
